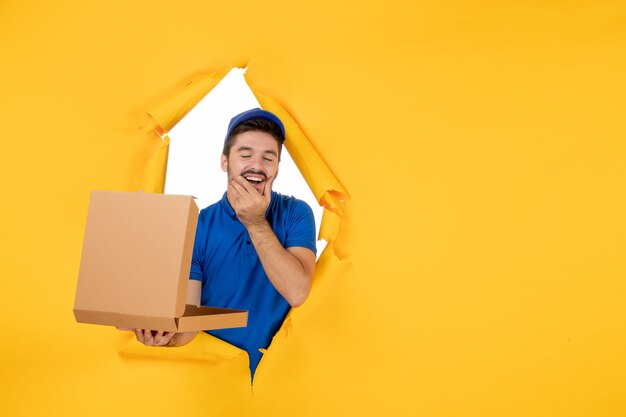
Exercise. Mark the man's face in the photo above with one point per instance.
(254, 156)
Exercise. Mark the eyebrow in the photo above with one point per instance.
(247, 148)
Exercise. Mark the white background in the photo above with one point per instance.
(196, 142)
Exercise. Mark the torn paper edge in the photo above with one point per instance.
(323, 183)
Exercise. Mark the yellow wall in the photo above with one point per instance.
(482, 145)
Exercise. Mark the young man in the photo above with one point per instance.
(254, 249)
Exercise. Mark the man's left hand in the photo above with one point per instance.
(248, 203)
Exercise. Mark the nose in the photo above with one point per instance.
(256, 162)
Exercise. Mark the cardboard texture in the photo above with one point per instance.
(135, 265)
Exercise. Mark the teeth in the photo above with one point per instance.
(255, 179)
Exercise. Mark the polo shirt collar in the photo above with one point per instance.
(227, 208)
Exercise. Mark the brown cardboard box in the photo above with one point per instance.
(135, 265)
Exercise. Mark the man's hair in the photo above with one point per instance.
(261, 125)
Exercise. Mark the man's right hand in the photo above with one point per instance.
(154, 337)
(151, 337)
(161, 338)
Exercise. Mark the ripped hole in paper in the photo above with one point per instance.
(193, 166)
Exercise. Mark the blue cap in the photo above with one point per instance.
(254, 114)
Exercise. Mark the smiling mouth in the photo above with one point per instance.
(254, 179)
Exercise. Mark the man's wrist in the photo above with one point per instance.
(256, 226)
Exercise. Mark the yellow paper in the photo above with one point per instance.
(480, 144)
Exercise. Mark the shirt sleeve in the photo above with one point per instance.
(301, 230)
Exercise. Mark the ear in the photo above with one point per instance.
(224, 163)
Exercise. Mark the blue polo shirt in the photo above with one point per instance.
(232, 276)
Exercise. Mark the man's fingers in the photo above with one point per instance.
(231, 193)
(161, 338)
(245, 185)
(237, 189)
(147, 337)
(267, 190)
(165, 339)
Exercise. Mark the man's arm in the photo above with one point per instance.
(290, 270)
(161, 338)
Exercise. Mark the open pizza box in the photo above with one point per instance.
(135, 265)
